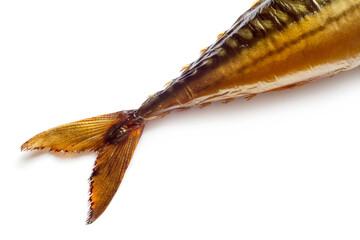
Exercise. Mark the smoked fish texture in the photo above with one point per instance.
(275, 45)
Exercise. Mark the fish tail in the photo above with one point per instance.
(113, 136)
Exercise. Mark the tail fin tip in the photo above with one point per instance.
(114, 136)
(109, 170)
(84, 135)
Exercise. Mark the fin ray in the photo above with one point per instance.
(86, 134)
(109, 170)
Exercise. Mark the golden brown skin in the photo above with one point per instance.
(113, 136)
(277, 44)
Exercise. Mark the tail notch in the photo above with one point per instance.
(113, 136)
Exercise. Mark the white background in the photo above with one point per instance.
(285, 165)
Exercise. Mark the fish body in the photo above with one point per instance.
(275, 45)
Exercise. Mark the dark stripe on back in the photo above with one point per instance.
(305, 35)
(265, 18)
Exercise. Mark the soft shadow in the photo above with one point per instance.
(33, 155)
(262, 101)
(240, 106)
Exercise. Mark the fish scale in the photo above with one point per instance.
(276, 45)
(275, 17)
(259, 54)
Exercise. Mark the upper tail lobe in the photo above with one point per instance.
(113, 136)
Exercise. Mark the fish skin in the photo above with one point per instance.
(275, 45)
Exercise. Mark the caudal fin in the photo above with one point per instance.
(87, 134)
(108, 172)
(114, 136)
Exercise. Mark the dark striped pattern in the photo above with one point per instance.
(305, 35)
(265, 18)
